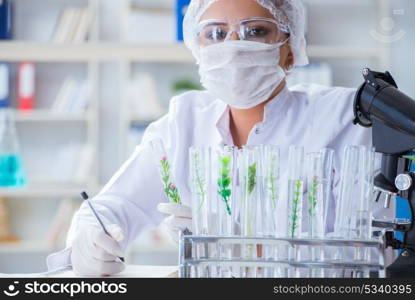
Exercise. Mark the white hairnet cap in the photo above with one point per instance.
(289, 12)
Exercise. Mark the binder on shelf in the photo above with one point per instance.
(63, 26)
(73, 96)
(83, 26)
(5, 19)
(4, 85)
(77, 13)
(73, 25)
(181, 7)
(26, 86)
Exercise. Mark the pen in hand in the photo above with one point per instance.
(85, 196)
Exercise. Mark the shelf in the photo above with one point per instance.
(173, 53)
(49, 116)
(25, 247)
(38, 246)
(44, 191)
(103, 51)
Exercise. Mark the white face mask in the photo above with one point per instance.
(241, 73)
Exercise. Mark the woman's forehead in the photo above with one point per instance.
(235, 10)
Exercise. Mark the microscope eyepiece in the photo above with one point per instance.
(379, 98)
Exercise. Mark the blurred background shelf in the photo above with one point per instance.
(57, 191)
(49, 52)
(176, 53)
(133, 65)
(49, 116)
(25, 247)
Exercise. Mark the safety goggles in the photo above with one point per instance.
(263, 30)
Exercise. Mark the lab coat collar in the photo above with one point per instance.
(223, 124)
(273, 107)
(277, 105)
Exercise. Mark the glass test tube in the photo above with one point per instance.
(165, 170)
(319, 170)
(295, 191)
(251, 185)
(363, 226)
(271, 177)
(348, 192)
(366, 184)
(328, 199)
(327, 181)
(200, 172)
(295, 198)
(271, 193)
(315, 205)
(356, 191)
(314, 165)
(225, 170)
(199, 179)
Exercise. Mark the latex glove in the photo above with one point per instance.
(180, 218)
(94, 253)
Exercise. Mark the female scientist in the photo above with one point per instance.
(244, 49)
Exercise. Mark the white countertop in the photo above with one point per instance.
(131, 271)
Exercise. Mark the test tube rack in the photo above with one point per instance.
(188, 261)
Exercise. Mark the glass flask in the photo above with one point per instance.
(12, 173)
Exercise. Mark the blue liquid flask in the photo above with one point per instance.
(12, 173)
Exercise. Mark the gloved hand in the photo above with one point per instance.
(94, 253)
(180, 218)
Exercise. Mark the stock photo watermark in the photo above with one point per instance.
(74, 288)
(387, 31)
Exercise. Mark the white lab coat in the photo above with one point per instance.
(312, 116)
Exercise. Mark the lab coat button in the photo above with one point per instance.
(257, 131)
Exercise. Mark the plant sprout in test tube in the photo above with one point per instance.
(295, 211)
(312, 196)
(295, 190)
(164, 167)
(249, 170)
(270, 161)
(251, 177)
(169, 188)
(224, 180)
(199, 180)
(250, 188)
(319, 169)
(272, 181)
(225, 200)
(314, 193)
(200, 171)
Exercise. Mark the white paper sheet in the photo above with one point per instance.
(134, 271)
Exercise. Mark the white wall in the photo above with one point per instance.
(403, 50)
(325, 27)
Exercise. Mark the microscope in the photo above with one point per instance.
(391, 114)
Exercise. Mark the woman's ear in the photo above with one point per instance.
(289, 61)
(286, 58)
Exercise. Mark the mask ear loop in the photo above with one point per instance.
(289, 70)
